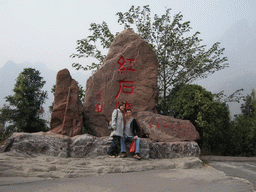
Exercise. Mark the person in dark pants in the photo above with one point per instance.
(131, 132)
(118, 122)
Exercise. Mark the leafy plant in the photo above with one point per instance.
(182, 58)
(25, 106)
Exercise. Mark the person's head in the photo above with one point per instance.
(122, 106)
(128, 113)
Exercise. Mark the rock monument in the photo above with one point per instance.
(67, 114)
(129, 74)
(165, 128)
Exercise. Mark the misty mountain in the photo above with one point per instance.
(239, 42)
(10, 71)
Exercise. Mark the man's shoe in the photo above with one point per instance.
(123, 155)
(111, 156)
(136, 156)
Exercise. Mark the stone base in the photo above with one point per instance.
(81, 146)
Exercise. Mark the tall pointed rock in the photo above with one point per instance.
(129, 74)
(67, 118)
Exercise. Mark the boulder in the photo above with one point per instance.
(67, 114)
(129, 74)
(40, 143)
(169, 150)
(82, 146)
(165, 128)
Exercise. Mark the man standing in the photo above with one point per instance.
(131, 132)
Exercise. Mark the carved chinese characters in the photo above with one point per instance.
(164, 128)
(98, 107)
(122, 86)
(129, 74)
(125, 87)
(122, 62)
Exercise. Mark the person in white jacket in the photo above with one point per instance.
(118, 122)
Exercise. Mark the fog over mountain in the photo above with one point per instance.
(10, 71)
(239, 42)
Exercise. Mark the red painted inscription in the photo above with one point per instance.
(165, 125)
(157, 125)
(150, 124)
(127, 105)
(181, 127)
(122, 88)
(130, 69)
(98, 108)
(121, 62)
(98, 98)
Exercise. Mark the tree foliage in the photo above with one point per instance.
(25, 106)
(5, 129)
(243, 137)
(244, 128)
(211, 118)
(237, 96)
(249, 107)
(190, 102)
(182, 58)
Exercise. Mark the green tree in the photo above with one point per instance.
(237, 96)
(244, 128)
(5, 129)
(182, 58)
(190, 102)
(211, 118)
(249, 107)
(243, 137)
(25, 106)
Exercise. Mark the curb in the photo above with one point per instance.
(226, 158)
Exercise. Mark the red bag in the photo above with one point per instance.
(133, 146)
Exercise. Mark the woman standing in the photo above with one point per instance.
(118, 122)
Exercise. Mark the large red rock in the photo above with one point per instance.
(129, 74)
(67, 117)
(165, 128)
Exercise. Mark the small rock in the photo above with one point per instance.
(52, 168)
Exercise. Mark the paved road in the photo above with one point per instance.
(45, 173)
(189, 180)
(242, 169)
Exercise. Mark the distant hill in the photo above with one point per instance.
(10, 71)
(247, 82)
(239, 42)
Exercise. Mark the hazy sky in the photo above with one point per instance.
(46, 31)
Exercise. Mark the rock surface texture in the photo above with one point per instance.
(14, 164)
(129, 74)
(165, 128)
(82, 146)
(67, 117)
